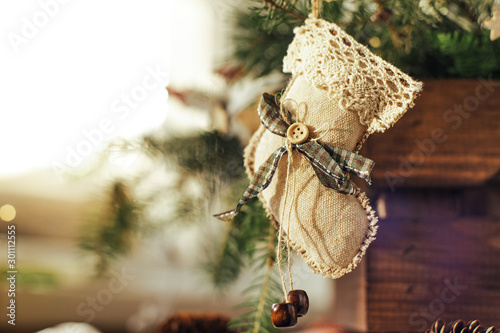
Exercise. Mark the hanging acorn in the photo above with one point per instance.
(296, 305)
(284, 314)
(301, 301)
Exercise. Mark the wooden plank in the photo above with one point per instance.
(450, 138)
(451, 271)
(349, 303)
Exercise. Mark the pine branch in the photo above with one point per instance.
(227, 265)
(265, 283)
(110, 234)
(410, 36)
(242, 236)
(256, 319)
(285, 10)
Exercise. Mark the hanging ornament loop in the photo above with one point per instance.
(315, 8)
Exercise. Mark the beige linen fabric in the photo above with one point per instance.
(341, 91)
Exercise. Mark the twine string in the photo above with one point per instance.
(280, 233)
(282, 111)
(321, 129)
(315, 8)
(290, 177)
(278, 258)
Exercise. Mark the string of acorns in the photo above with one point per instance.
(295, 305)
(296, 302)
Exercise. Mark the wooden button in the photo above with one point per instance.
(297, 133)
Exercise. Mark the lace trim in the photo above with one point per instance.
(362, 82)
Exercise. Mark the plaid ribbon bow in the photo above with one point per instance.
(328, 162)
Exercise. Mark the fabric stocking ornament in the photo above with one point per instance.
(339, 94)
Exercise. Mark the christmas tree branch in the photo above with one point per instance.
(217, 270)
(285, 10)
(265, 283)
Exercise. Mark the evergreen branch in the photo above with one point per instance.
(265, 283)
(241, 236)
(285, 10)
(269, 289)
(110, 234)
(228, 262)
(417, 36)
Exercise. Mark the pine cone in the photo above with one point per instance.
(459, 326)
(195, 323)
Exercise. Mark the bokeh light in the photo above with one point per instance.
(7, 213)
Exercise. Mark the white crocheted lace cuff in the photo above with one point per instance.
(360, 81)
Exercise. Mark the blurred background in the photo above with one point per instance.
(123, 127)
(82, 84)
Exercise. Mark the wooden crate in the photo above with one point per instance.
(437, 252)
(433, 258)
(436, 144)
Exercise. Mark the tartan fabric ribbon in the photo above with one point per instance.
(328, 162)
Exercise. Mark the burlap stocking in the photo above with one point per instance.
(343, 93)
